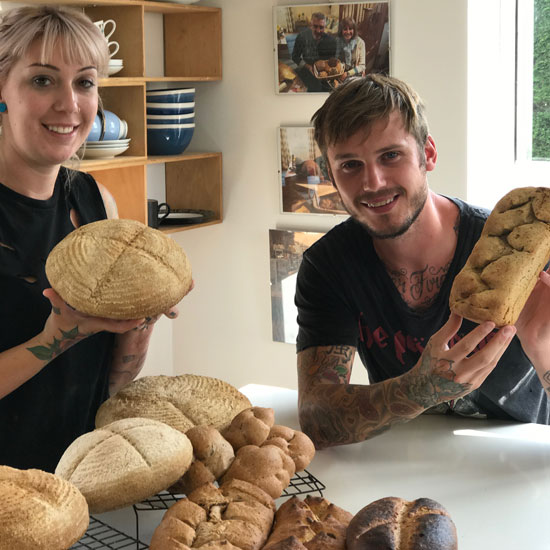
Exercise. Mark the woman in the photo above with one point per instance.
(350, 48)
(56, 365)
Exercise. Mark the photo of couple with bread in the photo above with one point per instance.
(445, 303)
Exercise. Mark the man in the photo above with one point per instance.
(379, 283)
(311, 45)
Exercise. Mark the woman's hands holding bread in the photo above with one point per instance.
(444, 373)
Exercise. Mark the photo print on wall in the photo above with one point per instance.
(305, 184)
(319, 46)
(285, 256)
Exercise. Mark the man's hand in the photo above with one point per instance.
(443, 374)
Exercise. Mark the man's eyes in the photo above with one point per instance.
(351, 165)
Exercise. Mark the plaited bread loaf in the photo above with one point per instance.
(310, 524)
(212, 456)
(237, 515)
(268, 467)
(295, 443)
(396, 524)
(504, 265)
(180, 401)
(250, 427)
(125, 462)
(119, 269)
(39, 511)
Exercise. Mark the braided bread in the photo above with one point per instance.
(504, 265)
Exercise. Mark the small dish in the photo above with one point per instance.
(184, 216)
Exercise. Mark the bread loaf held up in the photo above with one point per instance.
(504, 264)
(39, 511)
(125, 462)
(396, 524)
(119, 269)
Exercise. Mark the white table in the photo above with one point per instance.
(492, 476)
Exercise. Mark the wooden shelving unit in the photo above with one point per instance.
(192, 53)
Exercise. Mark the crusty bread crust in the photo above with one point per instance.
(39, 511)
(397, 524)
(505, 263)
(119, 269)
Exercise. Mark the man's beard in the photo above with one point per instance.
(417, 204)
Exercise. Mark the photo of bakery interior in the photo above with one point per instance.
(220, 334)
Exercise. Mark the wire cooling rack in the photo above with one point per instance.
(302, 483)
(101, 536)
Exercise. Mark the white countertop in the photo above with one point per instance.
(492, 476)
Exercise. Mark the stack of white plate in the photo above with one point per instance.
(104, 149)
(115, 65)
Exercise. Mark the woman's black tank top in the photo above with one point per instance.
(42, 417)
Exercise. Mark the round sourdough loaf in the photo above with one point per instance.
(119, 269)
(125, 462)
(396, 524)
(39, 511)
(180, 401)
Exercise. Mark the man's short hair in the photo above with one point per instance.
(318, 15)
(360, 102)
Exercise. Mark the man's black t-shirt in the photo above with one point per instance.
(345, 297)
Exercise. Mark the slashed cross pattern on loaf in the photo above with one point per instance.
(125, 462)
(503, 267)
(119, 269)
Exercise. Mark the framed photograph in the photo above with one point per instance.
(319, 46)
(305, 184)
(285, 256)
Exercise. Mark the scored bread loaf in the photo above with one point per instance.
(39, 511)
(396, 524)
(125, 462)
(180, 401)
(310, 524)
(119, 269)
(237, 515)
(504, 265)
(294, 442)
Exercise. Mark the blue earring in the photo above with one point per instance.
(3, 107)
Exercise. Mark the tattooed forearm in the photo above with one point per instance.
(48, 352)
(331, 364)
(125, 371)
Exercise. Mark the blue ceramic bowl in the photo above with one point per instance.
(180, 95)
(168, 139)
(185, 108)
(171, 119)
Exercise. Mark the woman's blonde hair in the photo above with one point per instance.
(81, 40)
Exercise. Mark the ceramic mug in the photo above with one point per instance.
(102, 26)
(113, 47)
(154, 215)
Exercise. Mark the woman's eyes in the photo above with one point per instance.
(43, 81)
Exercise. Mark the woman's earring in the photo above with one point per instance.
(3, 107)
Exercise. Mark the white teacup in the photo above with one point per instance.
(103, 25)
(114, 46)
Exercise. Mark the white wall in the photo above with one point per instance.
(224, 328)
